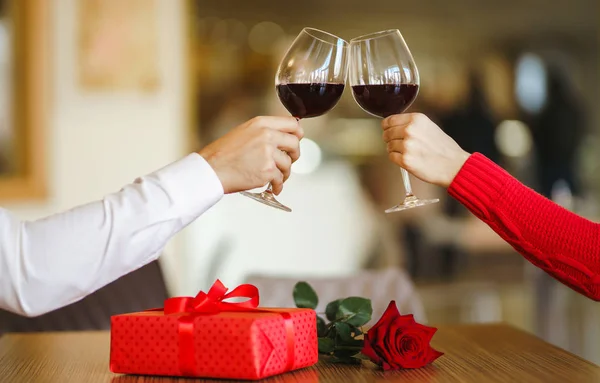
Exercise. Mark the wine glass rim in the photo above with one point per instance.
(375, 35)
(314, 32)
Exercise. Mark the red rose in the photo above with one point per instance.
(397, 341)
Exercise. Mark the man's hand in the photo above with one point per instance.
(255, 153)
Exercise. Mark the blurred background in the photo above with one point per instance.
(117, 89)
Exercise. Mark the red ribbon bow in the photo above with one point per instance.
(213, 302)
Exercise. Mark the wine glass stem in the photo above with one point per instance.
(407, 185)
(269, 189)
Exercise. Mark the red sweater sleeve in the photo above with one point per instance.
(562, 243)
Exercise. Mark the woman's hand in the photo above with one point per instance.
(418, 145)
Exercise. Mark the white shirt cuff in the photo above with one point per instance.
(192, 184)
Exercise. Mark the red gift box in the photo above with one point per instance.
(207, 337)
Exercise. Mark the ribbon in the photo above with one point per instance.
(213, 302)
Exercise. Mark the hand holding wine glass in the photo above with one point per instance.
(385, 81)
(417, 144)
(259, 151)
(309, 82)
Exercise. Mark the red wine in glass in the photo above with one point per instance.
(305, 100)
(385, 81)
(383, 100)
(309, 83)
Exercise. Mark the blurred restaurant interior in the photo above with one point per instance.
(97, 92)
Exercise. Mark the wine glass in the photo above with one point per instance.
(385, 81)
(309, 82)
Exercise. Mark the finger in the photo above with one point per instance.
(288, 143)
(283, 124)
(277, 182)
(284, 163)
(397, 158)
(300, 133)
(394, 133)
(395, 120)
(396, 146)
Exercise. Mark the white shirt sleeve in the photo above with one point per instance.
(58, 260)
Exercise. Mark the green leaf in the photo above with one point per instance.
(332, 309)
(343, 331)
(330, 330)
(355, 310)
(326, 345)
(346, 360)
(321, 327)
(305, 296)
(355, 343)
(345, 353)
(355, 348)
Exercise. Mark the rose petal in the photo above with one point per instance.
(389, 315)
(384, 353)
(409, 319)
(377, 349)
(428, 332)
(406, 321)
(425, 333)
(432, 354)
(392, 366)
(416, 363)
(369, 352)
(391, 353)
(388, 343)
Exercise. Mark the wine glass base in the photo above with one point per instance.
(268, 199)
(411, 202)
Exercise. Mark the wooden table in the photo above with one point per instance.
(474, 353)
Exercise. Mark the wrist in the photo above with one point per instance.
(211, 158)
(455, 165)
